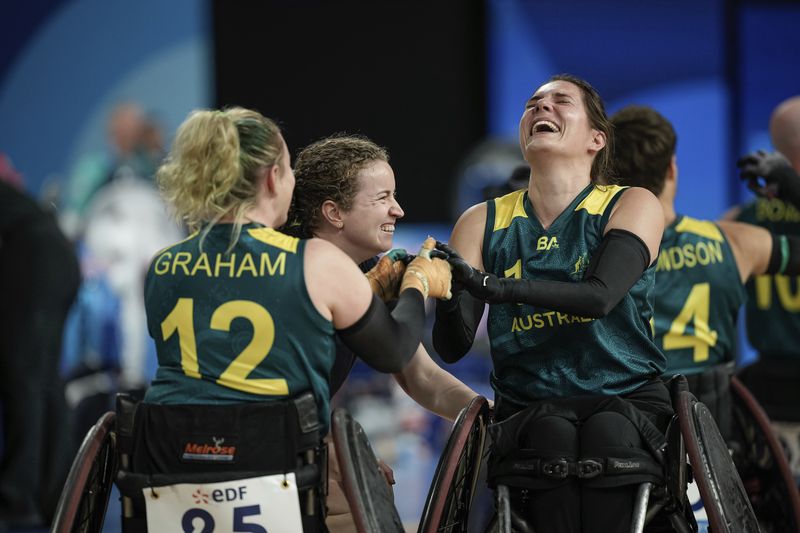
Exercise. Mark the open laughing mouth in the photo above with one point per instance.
(388, 228)
(544, 126)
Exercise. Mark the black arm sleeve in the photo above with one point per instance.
(614, 268)
(785, 258)
(387, 341)
(455, 325)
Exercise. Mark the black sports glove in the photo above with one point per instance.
(481, 285)
(770, 174)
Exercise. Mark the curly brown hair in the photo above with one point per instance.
(327, 170)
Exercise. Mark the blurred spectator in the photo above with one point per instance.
(773, 313)
(126, 224)
(113, 210)
(486, 167)
(39, 277)
(773, 303)
(136, 143)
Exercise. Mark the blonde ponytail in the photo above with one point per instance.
(211, 170)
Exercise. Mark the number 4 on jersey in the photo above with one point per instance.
(695, 310)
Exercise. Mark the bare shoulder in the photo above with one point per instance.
(752, 246)
(638, 198)
(467, 236)
(639, 212)
(336, 285)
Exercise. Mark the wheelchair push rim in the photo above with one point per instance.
(725, 500)
(84, 500)
(366, 489)
(458, 468)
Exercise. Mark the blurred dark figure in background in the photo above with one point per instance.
(773, 302)
(775, 174)
(518, 180)
(39, 278)
(136, 145)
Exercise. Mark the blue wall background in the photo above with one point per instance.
(66, 64)
(715, 68)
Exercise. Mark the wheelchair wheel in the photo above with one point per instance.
(83, 502)
(453, 487)
(765, 470)
(368, 494)
(726, 502)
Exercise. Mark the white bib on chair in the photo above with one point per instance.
(268, 504)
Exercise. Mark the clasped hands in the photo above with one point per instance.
(437, 271)
(428, 272)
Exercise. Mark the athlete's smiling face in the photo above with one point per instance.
(555, 121)
(369, 225)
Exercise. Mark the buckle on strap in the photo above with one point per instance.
(589, 468)
(556, 468)
(561, 468)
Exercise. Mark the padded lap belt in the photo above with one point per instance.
(528, 463)
(511, 465)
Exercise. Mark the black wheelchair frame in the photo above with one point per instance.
(692, 427)
(101, 463)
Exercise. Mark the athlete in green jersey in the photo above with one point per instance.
(773, 308)
(701, 267)
(267, 337)
(538, 352)
(566, 267)
(698, 295)
(241, 312)
(346, 195)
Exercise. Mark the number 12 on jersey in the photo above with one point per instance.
(181, 321)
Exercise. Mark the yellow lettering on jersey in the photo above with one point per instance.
(220, 263)
(181, 260)
(547, 319)
(545, 244)
(515, 271)
(689, 256)
(763, 285)
(233, 266)
(787, 298)
(279, 265)
(247, 264)
(162, 263)
(202, 264)
(775, 210)
(696, 311)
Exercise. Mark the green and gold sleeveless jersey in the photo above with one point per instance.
(540, 353)
(698, 296)
(773, 301)
(239, 326)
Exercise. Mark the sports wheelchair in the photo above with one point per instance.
(242, 467)
(692, 433)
